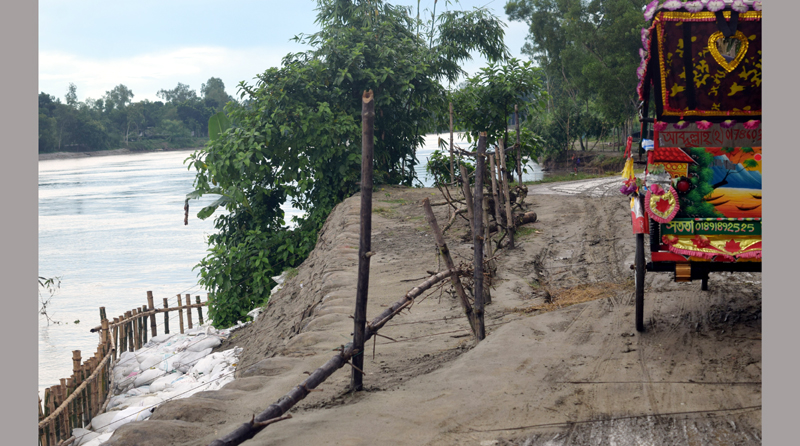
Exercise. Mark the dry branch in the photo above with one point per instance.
(248, 430)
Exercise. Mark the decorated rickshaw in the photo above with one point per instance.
(699, 198)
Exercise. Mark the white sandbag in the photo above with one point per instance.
(204, 343)
(128, 415)
(101, 422)
(161, 338)
(148, 376)
(189, 359)
(97, 441)
(127, 382)
(164, 382)
(205, 365)
(150, 360)
(82, 436)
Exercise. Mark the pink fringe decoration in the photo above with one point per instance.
(709, 255)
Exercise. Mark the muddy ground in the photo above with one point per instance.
(562, 363)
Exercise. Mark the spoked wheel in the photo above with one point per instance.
(640, 269)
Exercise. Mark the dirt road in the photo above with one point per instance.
(562, 363)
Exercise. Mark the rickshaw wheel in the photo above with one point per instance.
(640, 270)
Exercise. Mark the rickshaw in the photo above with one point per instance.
(699, 199)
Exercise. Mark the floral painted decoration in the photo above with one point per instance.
(715, 5)
(669, 239)
(703, 125)
(672, 5)
(662, 205)
(650, 10)
(660, 126)
(680, 125)
(739, 6)
(695, 6)
(757, 6)
(752, 124)
(728, 123)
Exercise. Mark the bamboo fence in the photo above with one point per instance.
(86, 393)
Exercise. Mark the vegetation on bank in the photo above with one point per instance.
(114, 121)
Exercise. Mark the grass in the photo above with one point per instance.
(526, 231)
(565, 297)
(385, 212)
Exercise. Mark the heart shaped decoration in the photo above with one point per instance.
(727, 61)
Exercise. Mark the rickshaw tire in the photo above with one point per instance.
(640, 270)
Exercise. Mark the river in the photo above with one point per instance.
(111, 228)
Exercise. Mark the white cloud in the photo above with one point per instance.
(145, 74)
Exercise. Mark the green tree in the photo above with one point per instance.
(297, 136)
(214, 95)
(177, 95)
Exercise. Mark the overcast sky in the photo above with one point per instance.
(151, 45)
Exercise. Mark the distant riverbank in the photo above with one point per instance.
(69, 155)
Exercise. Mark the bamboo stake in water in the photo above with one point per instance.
(189, 311)
(180, 313)
(151, 307)
(166, 317)
(199, 310)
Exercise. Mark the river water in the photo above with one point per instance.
(112, 228)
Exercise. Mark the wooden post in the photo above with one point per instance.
(106, 340)
(497, 216)
(519, 147)
(452, 171)
(180, 313)
(504, 180)
(151, 307)
(135, 322)
(477, 236)
(487, 247)
(129, 330)
(77, 379)
(467, 196)
(365, 238)
(115, 337)
(143, 327)
(166, 316)
(48, 398)
(437, 234)
(189, 311)
(199, 310)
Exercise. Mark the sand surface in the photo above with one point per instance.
(571, 372)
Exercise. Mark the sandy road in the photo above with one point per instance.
(570, 372)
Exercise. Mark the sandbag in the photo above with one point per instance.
(148, 376)
(201, 344)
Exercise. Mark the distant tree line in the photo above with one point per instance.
(115, 121)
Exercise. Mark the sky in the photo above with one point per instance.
(152, 45)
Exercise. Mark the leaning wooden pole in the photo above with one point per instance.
(477, 237)
(504, 181)
(364, 244)
(437, 234)
(519, 147)
(248, 430)
(452, 169)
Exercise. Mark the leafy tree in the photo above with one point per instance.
(177, 95)
(298, 135)
(118, 98)
(72, 95)
(214, 95)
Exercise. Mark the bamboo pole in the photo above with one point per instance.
(495, 195)
(519, 147)
(151, 307)
(477, 237)
(452, 170)
(115, 337)
(129, 330)
(51, 425)
(437, 234)
(77, 393)
(467, 196)
(61, 420)
(504, 181)
(77, 381)
(137, 329)
(249, 429)
(487, 246)
(199, 310)
(143, 324)
(166, 316)
(180, 313)
(365, 237)
(189, 311)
